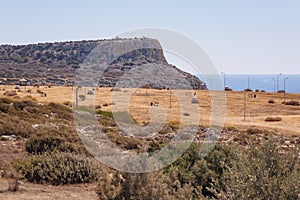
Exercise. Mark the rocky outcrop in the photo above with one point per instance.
(56, 63)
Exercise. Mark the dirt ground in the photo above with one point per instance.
(29, 191)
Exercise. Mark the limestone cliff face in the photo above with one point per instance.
(57, 62)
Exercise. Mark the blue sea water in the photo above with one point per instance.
(269, 83)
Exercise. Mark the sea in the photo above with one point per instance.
(268, 82)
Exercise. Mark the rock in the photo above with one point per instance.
(9, 137)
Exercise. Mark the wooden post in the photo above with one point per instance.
(76, 98)
(170, 98)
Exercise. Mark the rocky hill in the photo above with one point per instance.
(56, 63)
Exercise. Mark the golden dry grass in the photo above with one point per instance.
(257, 109)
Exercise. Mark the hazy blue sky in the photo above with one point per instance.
(254, 36)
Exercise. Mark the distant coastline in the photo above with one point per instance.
(267, 82)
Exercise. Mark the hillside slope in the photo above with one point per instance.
(56, 63)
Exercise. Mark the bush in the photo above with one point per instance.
(63, 111)
(39, 91)
(271, 101)
(104, 113)
(292, 103)
(68, 103)
(273, 119)
(43, 144)
(5, 108)
(39, 145)
(15, 126)
(5, 101)
(152, 186)
(20, 105)
(263, 173)
(115, 89)
(10, 93)
(58, 168)
(97, 107)
(81, 97)
(186, 114)
(253, 130)
(248, 90)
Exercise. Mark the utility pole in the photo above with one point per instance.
(278, 81)
(284, 88)
(224, 79)
(211, 84)
(274, 84)
(248, 82)
(245, 106)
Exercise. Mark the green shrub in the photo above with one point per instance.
(42, 144)
(5, 108)
(104, 113)
(58, 168)
(253, 130)
(262, 173)
(10, 93)
(39, 145)
(248, 90)
(39, 91)
(20, 105)
(63, 111)
(15, 126)
(292, 103)
(271, 101)
(5, 101)
(82, 97)
(105, 104)
(152, 186)
(273, 119)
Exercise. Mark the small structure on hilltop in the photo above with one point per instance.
(23, 82)
(90, 92)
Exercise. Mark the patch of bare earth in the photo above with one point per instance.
(29, 191)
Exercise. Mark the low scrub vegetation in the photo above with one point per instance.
(56, 155)
(42, 144)
(292, 103)
(273, 119)
(58, 168)
(271, 101)
(227, 172)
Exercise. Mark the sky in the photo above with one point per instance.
(241, 37)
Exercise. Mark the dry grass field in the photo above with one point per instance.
(139, 100)
(173, 107)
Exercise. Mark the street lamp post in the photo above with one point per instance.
(248, 82)
(284, 87)
(278, 81)
(224, 79)
(245, 106)
(211, 83)
(274, 84)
